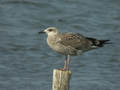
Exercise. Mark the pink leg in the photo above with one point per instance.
(68, 61)
(66, 64)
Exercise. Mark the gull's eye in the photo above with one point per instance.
(50, 30)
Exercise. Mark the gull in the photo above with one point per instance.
(70, 43)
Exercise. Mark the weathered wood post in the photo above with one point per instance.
(61, 79)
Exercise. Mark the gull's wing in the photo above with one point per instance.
(74, 40)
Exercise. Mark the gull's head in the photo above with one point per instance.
(50, 31)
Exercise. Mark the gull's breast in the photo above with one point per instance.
(59, 48)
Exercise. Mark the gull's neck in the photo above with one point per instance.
(53, 38)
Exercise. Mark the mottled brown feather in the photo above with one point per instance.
(75, 40)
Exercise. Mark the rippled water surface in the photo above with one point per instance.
(26, 61)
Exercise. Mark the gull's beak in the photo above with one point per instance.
(41, 32)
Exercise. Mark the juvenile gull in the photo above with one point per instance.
(70, 44)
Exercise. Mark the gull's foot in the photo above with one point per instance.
(63, 69)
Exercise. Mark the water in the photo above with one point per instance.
(26, 61)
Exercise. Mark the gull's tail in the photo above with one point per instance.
(102, 42)
(98, 43)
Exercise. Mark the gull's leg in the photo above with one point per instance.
(66, 64)
(68, 61)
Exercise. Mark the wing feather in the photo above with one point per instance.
(74, 40)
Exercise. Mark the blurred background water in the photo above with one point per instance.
(26, 61)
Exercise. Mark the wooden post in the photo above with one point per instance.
(61, 79)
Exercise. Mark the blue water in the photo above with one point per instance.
(26, 61)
